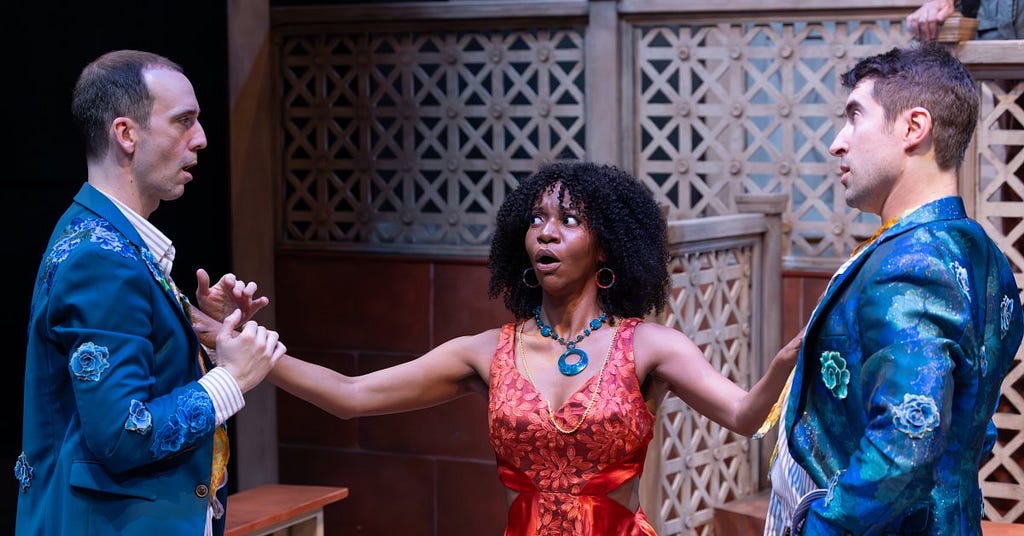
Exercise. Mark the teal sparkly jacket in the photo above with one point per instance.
(899, 376)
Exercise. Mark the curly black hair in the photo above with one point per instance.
(621, 214)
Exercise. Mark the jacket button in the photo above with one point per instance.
(202, 491)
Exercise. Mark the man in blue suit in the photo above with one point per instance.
(889, 415)
(124, 409)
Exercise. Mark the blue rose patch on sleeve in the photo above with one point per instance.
(139, 419)
(916, 416)
(23, 472)
(89, 361)
(193, 417)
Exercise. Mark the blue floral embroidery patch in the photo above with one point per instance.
(195, 410)
(82, 229)
(961, 279)
(834, 373)
(139, 419)
(1006, 309)
(916, 416)
(89, 361)
(193, 417)
(23, 472)
(156, 269)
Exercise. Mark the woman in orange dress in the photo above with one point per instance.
(579, 256)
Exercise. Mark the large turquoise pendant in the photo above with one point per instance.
(572, 369)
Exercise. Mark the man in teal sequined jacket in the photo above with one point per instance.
(890, 409)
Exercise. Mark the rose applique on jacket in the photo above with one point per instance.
(916, 416)
(89, 361)
(80, 230)
(193, 417)
(23, 472)
(834, 373)
(139, 420)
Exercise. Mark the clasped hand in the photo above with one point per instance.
(247, 353)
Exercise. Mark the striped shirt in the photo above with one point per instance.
(789, 483)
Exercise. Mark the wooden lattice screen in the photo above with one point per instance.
(702, 464)
(730, 107)
(403, 133)
(995, 177)
(408, 140)
(721, 286)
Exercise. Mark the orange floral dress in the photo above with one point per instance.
(563, 479)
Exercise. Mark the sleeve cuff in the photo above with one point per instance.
(224, 392)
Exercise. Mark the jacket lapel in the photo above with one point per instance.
(94, 201)
(947, 208)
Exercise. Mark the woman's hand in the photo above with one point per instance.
(206, 327)
(788, 354)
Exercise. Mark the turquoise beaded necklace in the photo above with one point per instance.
(566, 368)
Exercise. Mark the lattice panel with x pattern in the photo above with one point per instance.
(703, 465)
(999, 199)
(414, 138)
(733, 108)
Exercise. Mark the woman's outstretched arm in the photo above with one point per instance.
(455, 368)
(670, 355)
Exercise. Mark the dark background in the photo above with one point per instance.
(46, 45)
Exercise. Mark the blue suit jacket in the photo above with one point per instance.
(899, 375)
(118, 435)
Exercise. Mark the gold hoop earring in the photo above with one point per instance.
(609, 278)
(527, 274)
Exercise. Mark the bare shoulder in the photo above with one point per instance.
(475, 342)
(654, 335)
(656, 345)
(476, 350)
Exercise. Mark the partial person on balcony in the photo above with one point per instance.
(123, 429)
(579, 256)
(997, 19)
(889, 414)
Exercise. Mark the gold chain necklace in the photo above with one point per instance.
(593, 396)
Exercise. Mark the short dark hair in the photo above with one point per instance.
(620, 213)
(927, 76)
(112, 86)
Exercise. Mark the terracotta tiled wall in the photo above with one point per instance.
(425, 473)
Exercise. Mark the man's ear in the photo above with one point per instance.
(919, 127)
(125, 133)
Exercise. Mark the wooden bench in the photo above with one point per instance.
(280, 510)
(745, 517)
